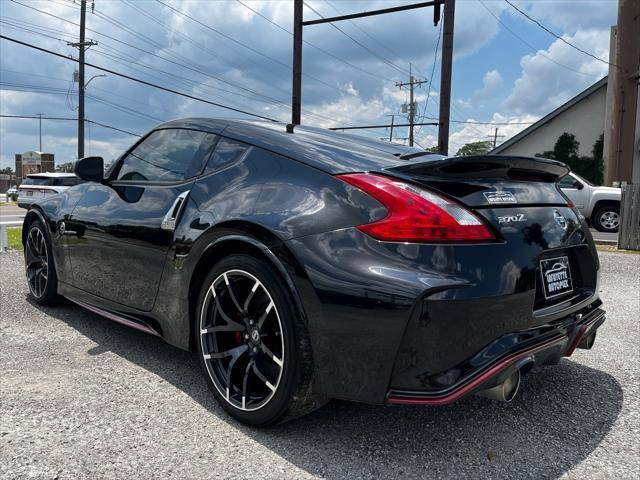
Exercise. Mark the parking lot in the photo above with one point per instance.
(83, 397)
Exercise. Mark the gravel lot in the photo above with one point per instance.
(83, 397)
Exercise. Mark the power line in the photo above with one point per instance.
(110, 92)
(144, 82)
(59, 91)
(534, 49)
(380, 57)
(313, 45)
(248, 47)
(558, 36)
(259, 96)
(208, 51)
(232, 84)
(357, 27)
(194, 66)
(104, 125)
(364, 127)
(433, 71)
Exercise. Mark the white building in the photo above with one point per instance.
(582, 116)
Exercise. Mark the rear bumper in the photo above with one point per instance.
(426, 319)
(552, 342)
(24, 203)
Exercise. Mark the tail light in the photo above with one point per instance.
(415, 214)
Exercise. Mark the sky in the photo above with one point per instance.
(506, 69)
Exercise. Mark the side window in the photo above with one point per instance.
(567, 182)
(168, 155)
(227, 152)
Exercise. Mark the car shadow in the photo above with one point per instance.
(560, 416)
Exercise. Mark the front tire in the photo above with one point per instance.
(607, 219)
(252, 343)
(39, 267)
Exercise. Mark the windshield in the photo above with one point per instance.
(582, 179)
(37, 181)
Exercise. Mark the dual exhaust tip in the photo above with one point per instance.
(504, 391)
(507, 390)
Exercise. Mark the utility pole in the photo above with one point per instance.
(445, 76)
(40, 130)
(296, 91)
(82, 45)
(495, 137)
(391, 132)
(623, 80)
(411, 108)
(299, 23)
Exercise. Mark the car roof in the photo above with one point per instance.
(327, 150)
(50, 175)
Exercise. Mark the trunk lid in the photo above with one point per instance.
(490, 181)
(519, 198)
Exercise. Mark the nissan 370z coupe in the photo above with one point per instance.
(303, 265)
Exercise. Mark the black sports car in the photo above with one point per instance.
(304, 265)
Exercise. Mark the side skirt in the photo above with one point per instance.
(84, 299)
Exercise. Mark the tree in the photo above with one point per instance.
(433, 149)
(7, 171)
(65, 167)
(475, 148)
(566, 150)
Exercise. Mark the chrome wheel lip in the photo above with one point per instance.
(224, 392)
(33, 254)
(610, 220)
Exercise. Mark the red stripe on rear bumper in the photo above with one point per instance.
(477, 381)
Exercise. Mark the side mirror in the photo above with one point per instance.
(578, 185)
(90, 169)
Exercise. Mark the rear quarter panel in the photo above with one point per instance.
(55, 210)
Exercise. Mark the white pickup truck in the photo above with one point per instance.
(599, 205)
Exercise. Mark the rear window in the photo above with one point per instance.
(37, 181)
(66, 181)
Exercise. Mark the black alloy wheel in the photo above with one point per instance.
(39, 267)
(249, 343)
(241, 339)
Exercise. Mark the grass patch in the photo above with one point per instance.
(615, 249)
(14, 237)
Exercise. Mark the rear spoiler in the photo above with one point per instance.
(488, 166)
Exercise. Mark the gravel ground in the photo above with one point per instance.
(86, 398)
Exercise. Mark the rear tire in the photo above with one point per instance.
(40, 269)
(607, 218)
(253, 344)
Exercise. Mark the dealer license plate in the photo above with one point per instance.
(556, 276)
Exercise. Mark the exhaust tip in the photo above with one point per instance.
(505, 391)
(587, 342)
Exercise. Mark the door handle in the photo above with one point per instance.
(169, 220)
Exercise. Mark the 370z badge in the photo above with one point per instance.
(516, 217)
(556, 276)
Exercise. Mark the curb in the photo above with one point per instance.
(606, 242)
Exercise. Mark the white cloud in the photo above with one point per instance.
(543, 85)
(569, 15)
(474, 133)
(491, 81)
(348, 110)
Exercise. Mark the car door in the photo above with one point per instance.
(575, 190)
(121, 229)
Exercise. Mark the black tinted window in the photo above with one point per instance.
(227, 151)
(37, 181)
(567, 182)
(167, 156)
(66, 181)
